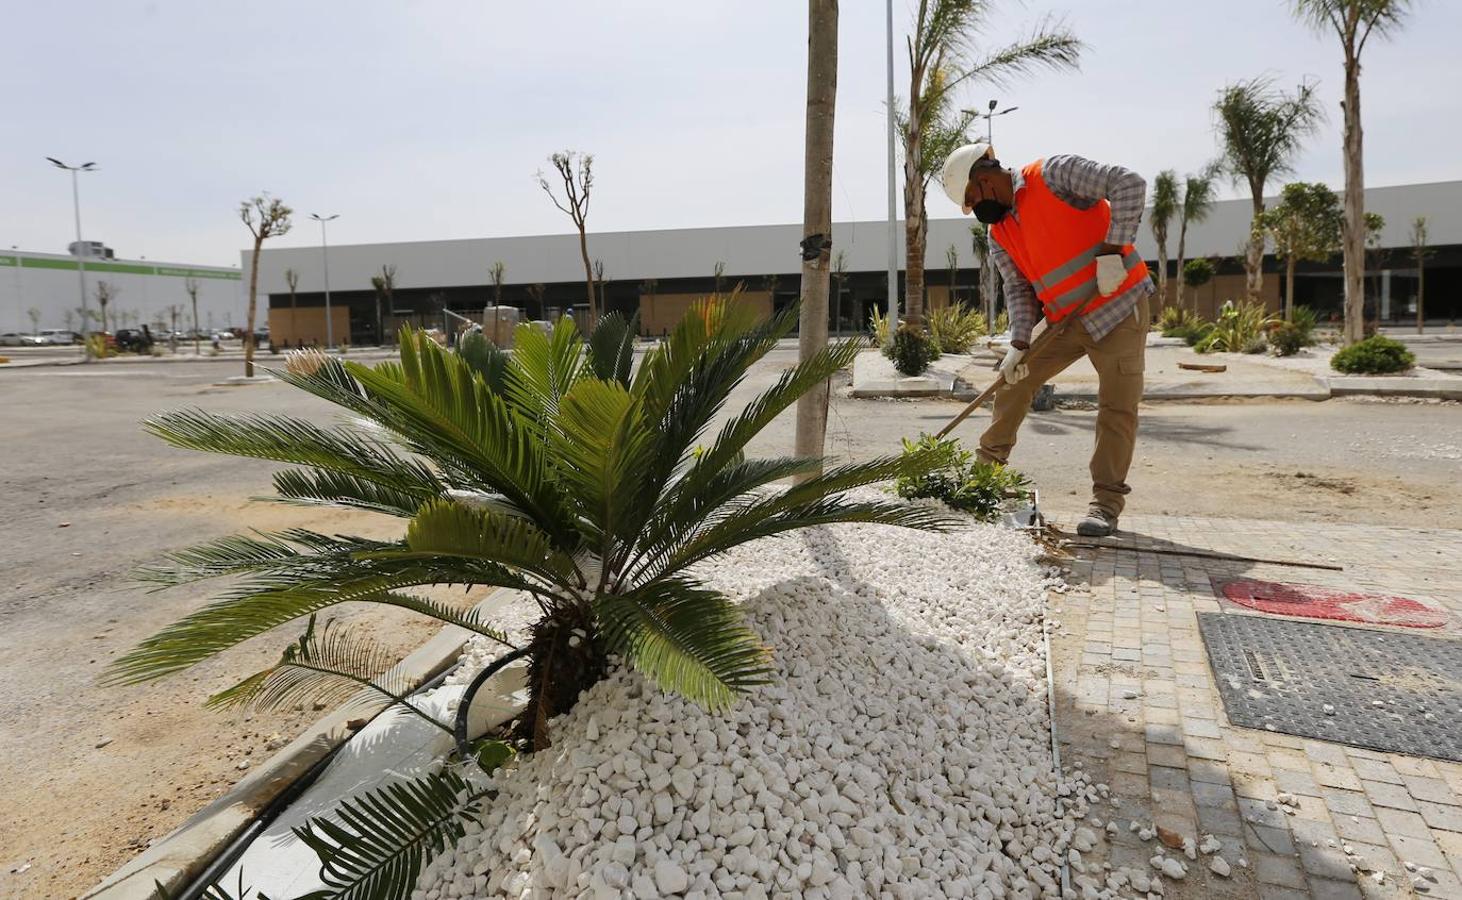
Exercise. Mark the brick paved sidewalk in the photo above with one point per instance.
(1137, 707)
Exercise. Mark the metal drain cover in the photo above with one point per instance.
(1399, 693)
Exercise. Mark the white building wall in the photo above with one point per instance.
(147, 288)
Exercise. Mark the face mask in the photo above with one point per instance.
(990, 211)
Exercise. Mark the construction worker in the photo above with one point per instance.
(1062, 230)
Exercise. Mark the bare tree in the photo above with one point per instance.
(1261, 130)
(1164, 206)
(719, 275)
(174, 310)
(34, 315)
(817, 220)
(292, 280)
(265, 217)
(106, 292)
(69, 318)
(1198, 194)
(498, 270)
(599, 280)
(576, 170)
(1419, 252)
(942, 57)
(191, 286)
(951, 265)
(384, 285)
(1353, 21)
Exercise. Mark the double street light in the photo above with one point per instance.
(80, 247)
(989, 115)
(325, 250)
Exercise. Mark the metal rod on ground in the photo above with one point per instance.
(1203, 554)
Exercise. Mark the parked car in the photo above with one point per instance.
(62, 336)
(134, 340)
(17, 339)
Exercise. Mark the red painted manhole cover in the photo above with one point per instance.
(1327, 603)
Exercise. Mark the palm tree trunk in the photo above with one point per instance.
(914, 239)
(253, 302)
(1182, 247)
(1420, 294)
(817, 214)
(1162, 272)
(1254, 258)
(1355, 214)
(1289, 288)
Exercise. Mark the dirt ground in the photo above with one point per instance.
(90, 775)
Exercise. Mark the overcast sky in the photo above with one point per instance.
(427, 120)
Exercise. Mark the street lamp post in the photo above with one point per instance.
(893, 228)
(80, 247)
(989, 115)
(325, 252)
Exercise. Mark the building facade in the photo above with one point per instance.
(42, 290)
(658, 274)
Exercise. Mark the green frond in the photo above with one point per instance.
(330, 667)
(253, 611)
(382, 839)
(612, 348)
(296, 441)
(324, 488)
(447, 528)
(224, 556)
(688, 639)
(602, 449)
(543, 367)
(485, 358)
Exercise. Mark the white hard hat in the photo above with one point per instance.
(956, 172)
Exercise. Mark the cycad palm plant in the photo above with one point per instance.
(561, 471)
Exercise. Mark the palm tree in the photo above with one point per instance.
(555, 472)
(1164, 205)
(942, 57)
(292, 281)
(989, 275)
(1353, 21)
(817, 221)
(1198, 195)
(1261, 129)
(1419, 253)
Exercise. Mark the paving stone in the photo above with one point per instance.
(1270, 840)
(1275, 892)
(1399, 821)
(1348, 803)
(1297, 783)
(1359, 828)
(1325, 889)
(1218, 821)
(1373, 770)
(1443, 818)
(1324, 861)
(1394, 796)
(1208, 772)
(1338, 777)
(1420, 850)
(1432, 790)
(1167, 755)
(1280, 870)
(1414, 766)
(1257, 812)
(1214, 795)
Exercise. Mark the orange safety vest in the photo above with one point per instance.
(1055, 246)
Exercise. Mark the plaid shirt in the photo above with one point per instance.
(1080, 183)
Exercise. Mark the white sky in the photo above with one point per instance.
(427, 120)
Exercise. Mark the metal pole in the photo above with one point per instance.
(329, 320)
(80, 264)
(893, 228)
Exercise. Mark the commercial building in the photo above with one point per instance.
(659, 273)
(142, 292)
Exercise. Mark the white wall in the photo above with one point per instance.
(55, 291)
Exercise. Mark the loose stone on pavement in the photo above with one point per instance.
(1245, 812)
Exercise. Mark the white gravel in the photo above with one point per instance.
(904, 750)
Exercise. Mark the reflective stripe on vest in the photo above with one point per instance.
(1083, 290)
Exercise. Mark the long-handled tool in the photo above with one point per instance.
(1040, 343)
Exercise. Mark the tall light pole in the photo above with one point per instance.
(80, 247)
(893, 227)
(325, 250)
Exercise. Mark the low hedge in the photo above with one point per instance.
(1378, 355)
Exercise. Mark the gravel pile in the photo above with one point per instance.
(904, 750)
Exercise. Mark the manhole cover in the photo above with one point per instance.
(1327, 603)
(1400, 693)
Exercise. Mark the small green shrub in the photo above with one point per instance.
(1174, 319)
(878, 325)
(912, 351)
(1288, 339)
(1002, 322)
(1377, 355)
(955, 328)
(1240, 328)
(960, 480)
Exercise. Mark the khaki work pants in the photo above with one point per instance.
(1118, 358)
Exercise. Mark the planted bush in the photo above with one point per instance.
(1240, 328)
(960, 480)
(563, 472)
(1377, 355)
(912, 351)
(955, 328)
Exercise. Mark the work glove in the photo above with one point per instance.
(1011, 366)
(1110, 273)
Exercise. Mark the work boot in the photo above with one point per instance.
(1098, 523)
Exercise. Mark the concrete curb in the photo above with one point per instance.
(1380, 386)
(182, 854)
